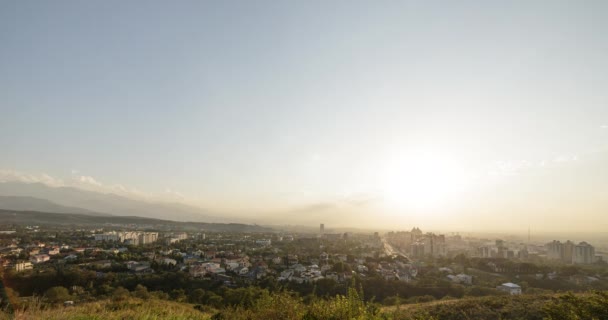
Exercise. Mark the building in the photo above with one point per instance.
(263, 242)
(429, 245)
(131, 237)
(584, 253)
(417, 249)
(110, 236)
(39, 258)
(568, 252)
(461, 278)
(510, 288)
(322, 229)
(147, 237)
(22, 266)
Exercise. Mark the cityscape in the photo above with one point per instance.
(457, 264)
(303, 160)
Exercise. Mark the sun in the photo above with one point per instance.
(422, 180)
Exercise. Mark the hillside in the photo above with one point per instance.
(23, 203)
(285, 306)
(105, 202)
(70, 219)
(109, 310)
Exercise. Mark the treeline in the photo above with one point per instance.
(258, 303)
(180, 287)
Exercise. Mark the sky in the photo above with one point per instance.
(463, 115)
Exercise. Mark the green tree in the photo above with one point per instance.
(120, 294)
(57, 294)
(141, 292)
(197, 296)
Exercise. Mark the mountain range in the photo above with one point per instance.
(16, 195)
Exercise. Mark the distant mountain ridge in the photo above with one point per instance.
(72, 219)
(79, 199)
(24, 203)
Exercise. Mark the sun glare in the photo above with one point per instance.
(421, 180)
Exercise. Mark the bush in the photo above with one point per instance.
(120, 294)
(141, 292)
(57, 294)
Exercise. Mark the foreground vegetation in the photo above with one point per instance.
(286, 305)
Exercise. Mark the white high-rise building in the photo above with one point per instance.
(584, 253)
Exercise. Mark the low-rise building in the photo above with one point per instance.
(40, 258)
(510, 288)
(22, 266)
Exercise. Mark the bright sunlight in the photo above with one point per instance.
(422, 180)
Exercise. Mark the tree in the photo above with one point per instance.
(120, 294)
(341, 267)
(141, 292)
(57, 294)
(178, 295)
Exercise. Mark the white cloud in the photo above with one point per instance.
(12, 175)
(89, 180)
(77, 181)
(173, 194)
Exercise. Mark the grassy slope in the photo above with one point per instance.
(500, 307)
(107, 310)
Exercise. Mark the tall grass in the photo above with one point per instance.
(131, 308)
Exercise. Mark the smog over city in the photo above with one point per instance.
(459, 145)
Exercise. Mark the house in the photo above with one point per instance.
(263, 242)
(70, 257)
(39, 258)
(138, 267)
(101, 264)
(510, 288)
(324, 257)
(298, 267)
(362, 268)
(168, 261)
(188, 259)
(285, 275)
(21, 266)
(404, 276)
(465, 279)
(292, 259)
(197, 270)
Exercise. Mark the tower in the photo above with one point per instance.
(322, 229)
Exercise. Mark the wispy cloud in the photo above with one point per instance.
(174, 194)
(87, 182)
(12, 175)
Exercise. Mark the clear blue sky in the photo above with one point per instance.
(254, 104)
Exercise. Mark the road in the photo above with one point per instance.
(390, 251)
